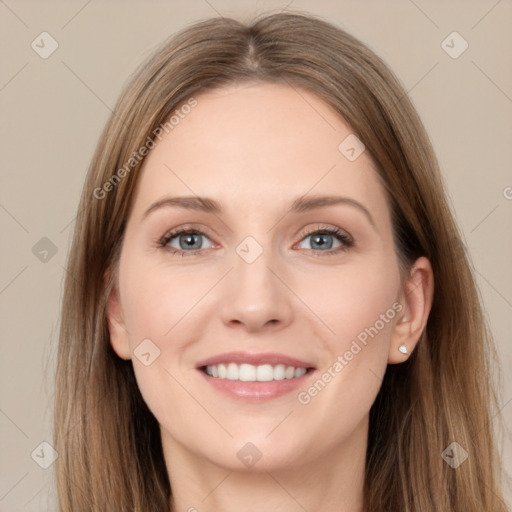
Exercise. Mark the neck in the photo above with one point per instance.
(332, 482)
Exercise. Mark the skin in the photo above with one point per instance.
(254, 148)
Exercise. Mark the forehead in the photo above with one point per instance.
(257, 143)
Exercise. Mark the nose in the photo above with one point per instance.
(257, 297)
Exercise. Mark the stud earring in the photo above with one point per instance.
(403, 349)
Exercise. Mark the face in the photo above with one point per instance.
(263, 312)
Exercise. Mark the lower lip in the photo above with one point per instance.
(256, 391)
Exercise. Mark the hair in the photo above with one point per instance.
(110, 452)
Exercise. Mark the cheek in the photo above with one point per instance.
(359, 298)
(160, 304)
(156, 299)
(360, 306)
(366, 311)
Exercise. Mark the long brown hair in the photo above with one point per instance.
(110, 453)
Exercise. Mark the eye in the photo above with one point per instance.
(331, 240)
(184, 241)
(190, 241)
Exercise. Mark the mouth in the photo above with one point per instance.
(250, 373)
(254, 377)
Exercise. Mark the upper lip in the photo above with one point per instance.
(271, 358)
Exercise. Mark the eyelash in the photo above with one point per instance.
(341, 236)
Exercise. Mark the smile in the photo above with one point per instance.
(251, 373)
(255, 377)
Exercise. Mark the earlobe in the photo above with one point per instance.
(118, 333)
(416, 296)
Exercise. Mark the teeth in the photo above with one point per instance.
(250, 373)
(247, 372)
(232, 372)
(299, 372)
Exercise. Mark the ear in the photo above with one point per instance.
(116, 325)
(416, 298)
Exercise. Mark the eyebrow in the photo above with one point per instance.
(301, 204)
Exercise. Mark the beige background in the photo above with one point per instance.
(54, 109)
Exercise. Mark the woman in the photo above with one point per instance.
(249, 319)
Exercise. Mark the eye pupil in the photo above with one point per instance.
(320, 241)
(192, 241)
